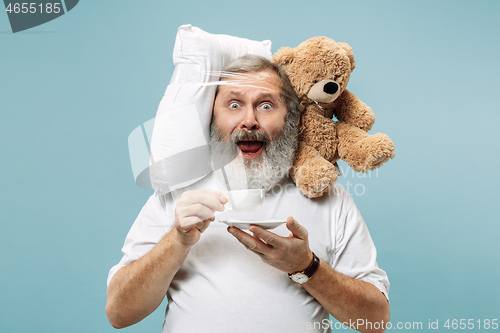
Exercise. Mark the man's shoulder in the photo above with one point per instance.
(338, 191)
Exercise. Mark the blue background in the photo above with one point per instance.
(73, 89)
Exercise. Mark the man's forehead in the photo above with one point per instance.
(267, 81)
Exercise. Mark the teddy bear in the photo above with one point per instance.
(319, 70)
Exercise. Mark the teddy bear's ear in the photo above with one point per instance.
(348, 50)
(284, 55)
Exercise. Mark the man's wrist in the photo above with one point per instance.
(306, 274)
(306, 263)
(177, 238)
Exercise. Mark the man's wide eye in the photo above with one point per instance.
(234, 105)
(266, 106)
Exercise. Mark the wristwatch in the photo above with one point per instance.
(305, 275)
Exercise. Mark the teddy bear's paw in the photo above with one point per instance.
(314, 181)
(369, 153)
(379, 160)
(383, 150)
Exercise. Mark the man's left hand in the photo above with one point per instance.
(289, 254)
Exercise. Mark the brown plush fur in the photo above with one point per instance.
(319, 69)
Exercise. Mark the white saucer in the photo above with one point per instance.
(245, 224)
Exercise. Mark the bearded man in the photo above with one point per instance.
(220, 279)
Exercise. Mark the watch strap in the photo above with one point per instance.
(311, 269)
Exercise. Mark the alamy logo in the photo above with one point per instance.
(26, 15)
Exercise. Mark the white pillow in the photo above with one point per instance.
(179, 141)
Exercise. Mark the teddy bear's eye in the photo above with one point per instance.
(315, 81)
(335, 77)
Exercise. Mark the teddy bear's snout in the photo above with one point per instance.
(331, 88)
(325, 91)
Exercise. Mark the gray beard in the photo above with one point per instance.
(264, 171)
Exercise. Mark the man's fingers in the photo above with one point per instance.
(296, 228)
(196, 210)
(250, 242)
(267, 236)
(206, 223)
(190, 222)
(212, 199)
(198, 206)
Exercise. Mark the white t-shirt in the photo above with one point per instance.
(223, 287)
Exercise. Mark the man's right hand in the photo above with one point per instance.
(137, 289)
(193, 213)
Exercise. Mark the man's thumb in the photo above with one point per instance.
(296, 228)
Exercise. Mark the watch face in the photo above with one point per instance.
(300, 278)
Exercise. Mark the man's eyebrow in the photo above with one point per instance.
(234, 93)
(269, 95)
(262, 94)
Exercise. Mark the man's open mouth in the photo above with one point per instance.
(250, 148)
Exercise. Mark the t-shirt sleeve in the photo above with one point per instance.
(153, 222)
(355, 254)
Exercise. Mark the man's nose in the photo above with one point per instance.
(249, 120)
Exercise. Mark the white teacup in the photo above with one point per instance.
(246, 200)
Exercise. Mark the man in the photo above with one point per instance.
(219, 280)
